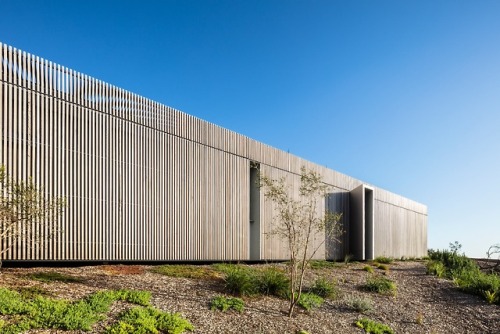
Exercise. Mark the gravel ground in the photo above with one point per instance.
(423, 304)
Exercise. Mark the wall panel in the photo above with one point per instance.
(144, 181)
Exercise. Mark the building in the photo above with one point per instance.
(145, 182)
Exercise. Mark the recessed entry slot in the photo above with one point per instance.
(361, 225)
(254, 211)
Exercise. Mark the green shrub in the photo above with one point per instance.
(454, 263)
(384, 259)
(465, 274)
(380, 285)
(272, 281)
(368, 269)
(374, 327)
(144, 320)
(309, 301)
(241, 281)
(52, 276)
(360, 304)
(324, 288)
(223, 304)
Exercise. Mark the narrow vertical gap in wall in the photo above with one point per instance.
(254, 211)
(369, 226)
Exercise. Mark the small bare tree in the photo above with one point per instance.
(298, 222)
(492, 262)
(25, 213)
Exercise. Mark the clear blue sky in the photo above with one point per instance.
(401, 94)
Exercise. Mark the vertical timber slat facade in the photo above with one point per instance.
(145, 182)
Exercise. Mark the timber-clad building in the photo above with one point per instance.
(146, 182)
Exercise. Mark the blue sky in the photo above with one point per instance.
(404, 95)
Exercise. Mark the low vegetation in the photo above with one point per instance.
(309, 301)
(381, 285)
(149, 320)
(224, 304)
(188, 271)
(465, 273)
(360, 304)
(384, 259)
(35, 311)
(324, 288)
(375, 327)
(53, 276)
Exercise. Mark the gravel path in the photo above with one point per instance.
(423, 304)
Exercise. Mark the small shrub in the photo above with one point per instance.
(223, 304)
(241, 281)
(272, 281)
(309, 301)
(374, 327)
(384, 259)
(324, 288)
(52, 276)
(380, 285)
(368, 269)
(360, 304)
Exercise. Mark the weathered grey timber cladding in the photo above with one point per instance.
(145, 182)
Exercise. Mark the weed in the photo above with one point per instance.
(272, 281)
(360, 304)
(324, 289)
(380, 285)
(186, 271)
(309, 301)
(384, 259)
(374, 327)
(302, 332)
(490, 296)
(348, 258)
(52, 276)
(368, 269)
(223, 304)
(420, 319)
